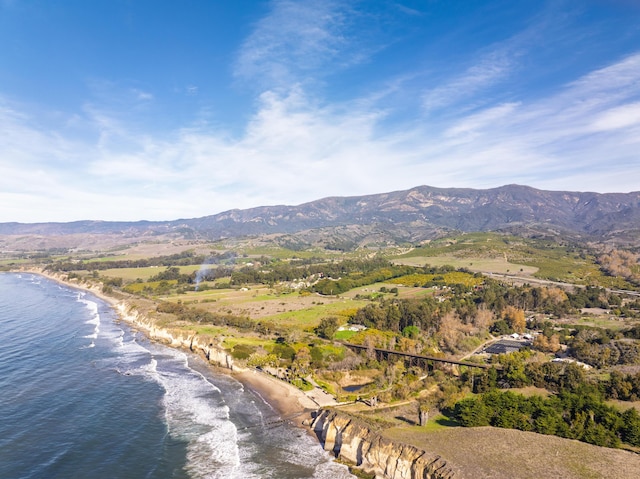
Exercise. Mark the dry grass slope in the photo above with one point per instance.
(493, 453)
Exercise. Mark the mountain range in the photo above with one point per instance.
(416, 214)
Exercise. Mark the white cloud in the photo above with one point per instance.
(481, 120)
(620, 117)
(296, 148)
(142, 95)
(492, 68)
(294, 40)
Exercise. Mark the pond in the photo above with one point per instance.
(354, 387)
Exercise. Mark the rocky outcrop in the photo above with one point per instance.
(355, 442)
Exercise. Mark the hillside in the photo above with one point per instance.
(412, 215)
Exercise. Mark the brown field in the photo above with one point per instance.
(478, 264)
(487, 452)
(624, 405)
(162, 248)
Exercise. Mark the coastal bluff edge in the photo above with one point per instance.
(354, 442)
(178, 338)
(349, 439)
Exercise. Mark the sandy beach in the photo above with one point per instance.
(291, 403)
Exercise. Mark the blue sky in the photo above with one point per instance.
(158, 110)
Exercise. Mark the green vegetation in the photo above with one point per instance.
(581, 416)
(434, 279)
(549, 260)
(281, 304)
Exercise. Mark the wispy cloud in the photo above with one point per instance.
(294, 42)
(142, 95)
(489, 70)
(560, 140)
(476, 82)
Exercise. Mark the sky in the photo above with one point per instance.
(123, 110)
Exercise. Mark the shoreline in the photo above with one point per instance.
(292, 404)
(361, 447)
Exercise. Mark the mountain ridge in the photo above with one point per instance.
(417, 213)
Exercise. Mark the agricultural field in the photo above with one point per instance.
(450, 278)
(133, 274)
(477, 264)
(501, 254)
(284, 309)
(262, 303)
(162, 248)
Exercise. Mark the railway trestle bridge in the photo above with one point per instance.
(426, 362)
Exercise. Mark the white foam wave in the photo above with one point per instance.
(195, 413)
(92, 306)
(302, 449)
(193, 408)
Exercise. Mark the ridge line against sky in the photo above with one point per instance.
(157, 110)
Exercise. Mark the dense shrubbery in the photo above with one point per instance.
(603, 348)
(396, 314)
(576, 410)
(274, 272)
(621, 263)
(200, 316)
(518, 370)
(625, 387)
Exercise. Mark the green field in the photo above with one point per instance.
(132, 274)
(311, 317)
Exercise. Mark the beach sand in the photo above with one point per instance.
(290, 403)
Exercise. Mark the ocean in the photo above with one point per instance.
(84, 396)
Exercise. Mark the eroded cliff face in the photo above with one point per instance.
(354, 442)
(176, 338)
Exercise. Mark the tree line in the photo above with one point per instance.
(580, 415)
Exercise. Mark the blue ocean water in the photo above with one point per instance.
(84, 396)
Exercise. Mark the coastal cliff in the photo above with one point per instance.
(176, 338)
(355, 442)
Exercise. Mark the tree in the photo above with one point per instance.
(554, 343)
(631, 428)
(515, 318)
(411, 332)
(449, 330)
(484, 318)
(301, 361)
(541, 343)
(472, 413)
(327, 327)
